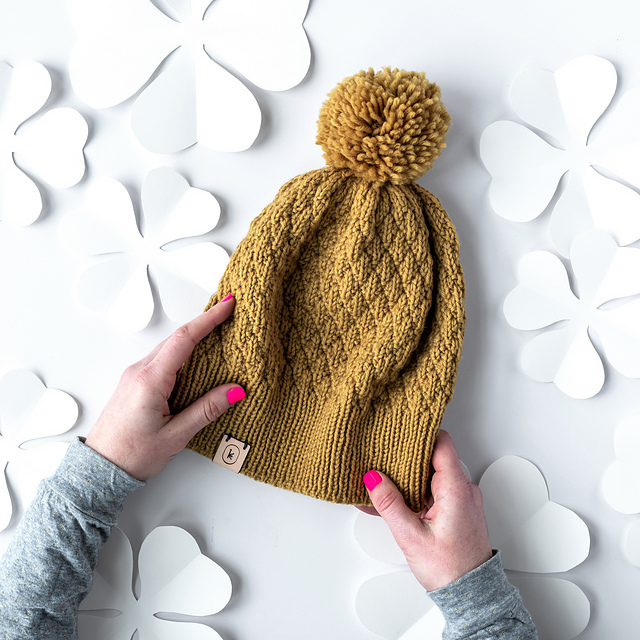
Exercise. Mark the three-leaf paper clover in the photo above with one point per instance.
(29, 412)
(534, 535)
(607, 277)
(51, 146)
(118, 285)
(175, 577)
(192, 98)
(526, 168)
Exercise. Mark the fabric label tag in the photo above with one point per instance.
(231, 453)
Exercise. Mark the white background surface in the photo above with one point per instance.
(294, 562)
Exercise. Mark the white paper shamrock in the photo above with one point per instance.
(29, 411)
(192, 99)
(175, 577)
(526, 170)
(621, 482)
(533, 534)
(51, 146)
(565, 356)
(118, 286)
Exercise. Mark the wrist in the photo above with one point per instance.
(460, 566)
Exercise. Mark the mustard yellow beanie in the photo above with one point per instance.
(349, 316)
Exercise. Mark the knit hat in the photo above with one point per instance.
(349, 316)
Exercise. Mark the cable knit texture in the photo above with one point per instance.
(346, 334)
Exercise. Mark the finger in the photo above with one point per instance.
(178, 347)
(448, 473)
(390, 505)
(206, 409)
(444, 458)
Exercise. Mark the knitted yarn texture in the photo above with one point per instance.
(349, 316)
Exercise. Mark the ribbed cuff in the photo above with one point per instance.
(477, 598)
(91, 483)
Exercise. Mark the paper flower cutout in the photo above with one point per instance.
(533, 534)
(192, 99)
(119, 285)
(526, 170)
(621, 482)
(29, 411)
(174, 578)
(51, 147)
(565, 356)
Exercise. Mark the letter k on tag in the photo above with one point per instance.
(231, 453)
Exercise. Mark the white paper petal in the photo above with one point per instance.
(264, 40)
(176, 577)
(229, 117)
(617, 149)
(121, 43)
(533, 533)
(188, 277)
(571, 216)
(105, 224)
(55, 413)
(24, 89)
(169, 630)
(566, 103)
(525, 170)
(591, 200)
(164, 116)
(559, 608)
(28, 411)
(619, 330)
(20, 199)
(604, 271)
(20, 392)
(631, 544)
(112, 580)
(614, 207)
(195, 100)
(179, 10)
(119, 287)
(395, 605)
(53, 147)
(173, 209)
(567, 358)
(26, 468)
(376, 540)
(543, 296)
(621, 482)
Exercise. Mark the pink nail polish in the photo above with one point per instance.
(227, 298)
(371, 479)
(235, 394)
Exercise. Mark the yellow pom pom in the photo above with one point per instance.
(384, 126)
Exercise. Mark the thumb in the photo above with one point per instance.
(404, 524)
(207, 409)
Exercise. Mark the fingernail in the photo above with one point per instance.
(227, 298)
(371, 480)
(235, 394)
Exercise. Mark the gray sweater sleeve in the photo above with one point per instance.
(48, 567)
(484, 604)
